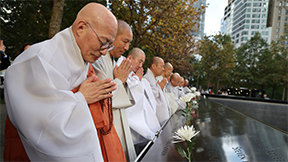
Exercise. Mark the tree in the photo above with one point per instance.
(23, 23)
(217, 59)
(162, 28)
(280, 55)
(56, 17)
(27, 22)
(247, 72)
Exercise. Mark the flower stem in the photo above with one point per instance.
(187, 113)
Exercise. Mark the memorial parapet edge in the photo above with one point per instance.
(225, 135)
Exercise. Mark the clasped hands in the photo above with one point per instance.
(95, 90)
(123, 70)
(162, 83)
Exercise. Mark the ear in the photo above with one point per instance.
(81, 27)
(153, 66)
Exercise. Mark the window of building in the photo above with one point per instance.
(264, 33)
(263, 26)
(247, 15)
(280, 3)
(256, 10)
(277, 30)
(248, 4)
(244, 39)
(264, 16)
(253, 33)
(276, 36)
(245, 33)
(286, 18)
(278, 24)
(255, 4)
(279, 17)
(286, 12)
(286, 3)
(254, 26)
(255, 21)
(246, 26)
(247, 21)
(248, 9)
(263, 21)
(279, 11)
(255, 15)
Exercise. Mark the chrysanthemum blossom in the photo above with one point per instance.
(193, 89)
(187, 97)
(185, 133)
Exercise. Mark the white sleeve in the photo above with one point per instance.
(54, 123)
(121, 98)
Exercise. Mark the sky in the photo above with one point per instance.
(214, 14)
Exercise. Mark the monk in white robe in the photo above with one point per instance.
(54, 123)
(141, 117)
(185, 87)
(173, 88)
(162, 106)
(167, 72)
(181, 86)
(105, 67)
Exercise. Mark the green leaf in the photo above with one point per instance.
(181, 151)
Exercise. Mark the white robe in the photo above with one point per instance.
(162, 107)
(53, 123)
(121, 99)
(176, 94)
(142, 117)
(186, 90)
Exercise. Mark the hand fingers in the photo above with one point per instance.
(127, 64)
(104, 96)
(104, 84)
(92, 78)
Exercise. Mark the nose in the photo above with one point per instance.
(126, 47)
(103, 52)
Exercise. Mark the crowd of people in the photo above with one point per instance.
(68, 99)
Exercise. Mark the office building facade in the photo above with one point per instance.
(243, 18)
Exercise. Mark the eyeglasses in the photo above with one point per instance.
(106, 45)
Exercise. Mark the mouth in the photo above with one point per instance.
(95, 57)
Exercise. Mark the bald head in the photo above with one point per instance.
(137, 57)
(182, 81)
(168, 68)
(122, 26)
(175, 79)
(157, 66)
(122, 40)
(97, 14)
(186, 83)
(136, 52)
(156, 60)
(94, 26)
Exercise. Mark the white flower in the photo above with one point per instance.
(187, 97)
(198, 93)
(193, 89)
(185, 133)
